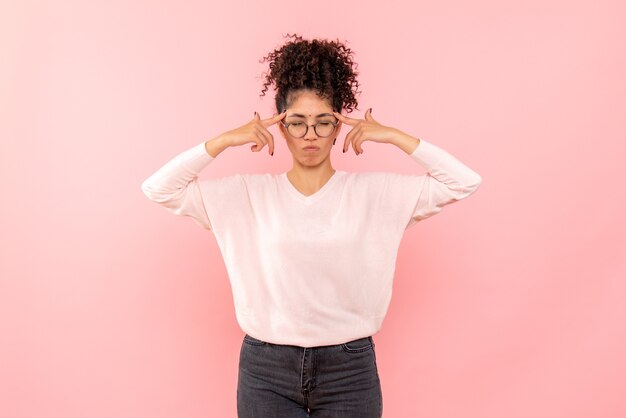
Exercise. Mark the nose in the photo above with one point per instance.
(310, 133)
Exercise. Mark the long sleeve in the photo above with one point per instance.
(418, 197)
(175, 185)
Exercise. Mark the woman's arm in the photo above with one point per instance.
(419, 196)
(175, 185)
(447, 180)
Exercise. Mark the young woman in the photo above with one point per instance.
(310, 253)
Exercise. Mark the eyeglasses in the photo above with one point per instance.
(322, 129)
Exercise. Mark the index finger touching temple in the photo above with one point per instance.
(274, 119)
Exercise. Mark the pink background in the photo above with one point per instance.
(511, 303)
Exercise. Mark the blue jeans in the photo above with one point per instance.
(289, 381)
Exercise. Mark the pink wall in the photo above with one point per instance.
(509, 304)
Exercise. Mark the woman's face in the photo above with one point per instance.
(309, 108)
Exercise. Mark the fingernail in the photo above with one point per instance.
(344, 151)
(370, 110)
(272, 153)
(255, 114)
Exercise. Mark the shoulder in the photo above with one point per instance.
(371, 178)
(238, 187)
(256, 183)
(258, 179)
(369, 183)
(244, 178)
(386, 182)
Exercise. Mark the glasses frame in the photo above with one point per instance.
(286, 125)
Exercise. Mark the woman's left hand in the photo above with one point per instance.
(366, 129)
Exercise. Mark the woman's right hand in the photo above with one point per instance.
(254, 131)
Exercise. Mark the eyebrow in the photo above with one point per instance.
(303, 116)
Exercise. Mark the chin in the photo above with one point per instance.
(314, 160)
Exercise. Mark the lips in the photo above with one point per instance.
(311, 148)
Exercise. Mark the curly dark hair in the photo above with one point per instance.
(320, 65)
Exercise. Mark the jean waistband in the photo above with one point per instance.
(362, 339)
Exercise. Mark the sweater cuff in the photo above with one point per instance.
(427, 154)
(196, 158)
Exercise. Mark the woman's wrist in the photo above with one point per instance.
(405, 142)
(215, 146)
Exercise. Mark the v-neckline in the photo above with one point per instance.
(312, 197)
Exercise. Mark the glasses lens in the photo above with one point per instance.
(324, 129)
(297, 129)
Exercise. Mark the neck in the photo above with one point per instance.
(310, 178)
